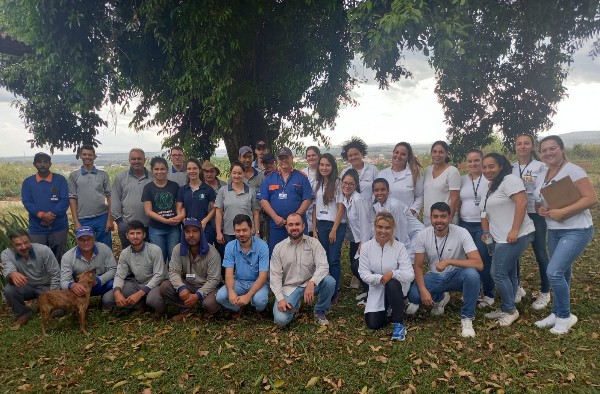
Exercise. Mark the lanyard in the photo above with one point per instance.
(486, 198)
(443, 245)
(546, 180)
(521, 172)
(475, 189)
(284, 183)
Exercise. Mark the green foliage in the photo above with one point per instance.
(11, 179)
(500, 65)
(584, 152)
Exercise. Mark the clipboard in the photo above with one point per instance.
(561, 193)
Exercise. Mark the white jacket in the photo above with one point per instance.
(375, 261)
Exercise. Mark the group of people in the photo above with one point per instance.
(183, 232)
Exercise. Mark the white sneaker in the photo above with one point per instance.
(507, 318)
(361, 296)
(520, 294)
(549, 321)
(485, 302)
(467, 328)
(438, 307)
(494, 314)
(562, 326)
(354, 283)
(541, 301)
(411, 309)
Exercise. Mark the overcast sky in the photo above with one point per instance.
(407, 111)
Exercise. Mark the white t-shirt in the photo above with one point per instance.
(500, 209)
(403, 188)
(438, 189)
(529, 174)
(357, 217)
(329, 211)
(582, 219)
(312, 179)
(366, 176)
(455, 245)
(407, 225)
(472, 194)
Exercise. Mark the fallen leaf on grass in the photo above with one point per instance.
(203, 353)
(227, 366)
(312, 382)
(278, 383)
(322, 329)
(382, 359)
(89, 346)
(594, 335)
(375, 349)
(153, 375)
(25, 387)
(229, 346)
(570, 377)
(418, 361)
(119, 384)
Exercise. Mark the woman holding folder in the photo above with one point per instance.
(569, 225)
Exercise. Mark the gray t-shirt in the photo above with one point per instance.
(234, 203)
(90, 189)
(455, 245)
(41, 269)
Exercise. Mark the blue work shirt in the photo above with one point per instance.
(196, 203)
(247, 265)
(285, 197)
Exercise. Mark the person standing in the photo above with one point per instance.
(503, 216)
(354, 152)
(282, 193)
(197, 200)
(441, 182)
(159, 199)
(260, 150)
(329, 216)
(211, 173)
(178, 173)
(570, 230)
(89, 197)
(528, 168)
(254, 177)
(473, 187)
(312, 156)
(405, 178)
(235, 199)
(126, 195)
(386, 268)
(45, 196)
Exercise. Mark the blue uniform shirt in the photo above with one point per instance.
(196, 203)
(247, 266)
(285, 197)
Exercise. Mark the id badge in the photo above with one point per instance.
(324, 212)
(283, 196)
(483, 214)
(190, 276)
(477, 201)
(54, 197)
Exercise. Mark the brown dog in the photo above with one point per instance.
(67, 300)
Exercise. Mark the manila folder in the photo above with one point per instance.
(561, 193)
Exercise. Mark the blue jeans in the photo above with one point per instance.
(98, 224)
(100, 289)
(476, 231)
(539, 249)
(465, 280)
(565, 246)
(333, 250)
(241, 287)
(505, 268)
(324, 290)
(166, 239)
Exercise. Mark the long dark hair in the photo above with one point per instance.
(558, 141)
(330, 182)
(505, 169)
(354, 174)
(196, 162)
(413, 162)
(534, 154)
(444, 145)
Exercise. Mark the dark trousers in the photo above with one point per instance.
(394, 298)
(170, 295)
(354, 264)
(56, 241)
(17, 295)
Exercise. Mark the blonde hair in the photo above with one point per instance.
(388, 217)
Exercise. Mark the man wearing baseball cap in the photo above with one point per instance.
(270, 164)
(254, 177)
(284, 192)
(194, 273)
(45, 196)
(88, 255)
(260, 150)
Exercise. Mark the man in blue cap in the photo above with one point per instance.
(282, 193)
(194, 273)
(88, 255)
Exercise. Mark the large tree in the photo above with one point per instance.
(200, 70)
(500, 65)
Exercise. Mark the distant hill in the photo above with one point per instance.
(107, 159)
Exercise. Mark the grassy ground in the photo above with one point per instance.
(126, 354)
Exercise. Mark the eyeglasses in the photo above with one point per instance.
(349, 184)
(261, 147)
(210, 170)
(176, 155)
